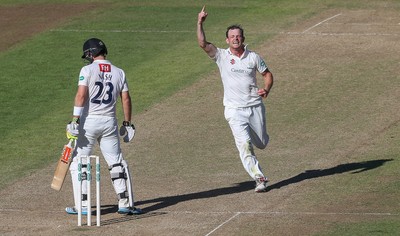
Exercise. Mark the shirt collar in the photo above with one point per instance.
(101, 61)
(246, 51)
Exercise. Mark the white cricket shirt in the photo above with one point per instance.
(105, 82)
(238, 76)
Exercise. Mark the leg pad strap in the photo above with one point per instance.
(123, 195)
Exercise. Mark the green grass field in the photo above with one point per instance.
(160, 57)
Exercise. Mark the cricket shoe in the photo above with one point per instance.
(74, 211)
(261, 184)
(130, 211)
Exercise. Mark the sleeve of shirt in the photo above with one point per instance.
(217, 55)
(125, 87)
(261, 66)
(84, 77)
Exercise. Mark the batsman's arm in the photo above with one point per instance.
(73, 126)
(127, 129)
(208, 47)
(126, 105)
(80, 99)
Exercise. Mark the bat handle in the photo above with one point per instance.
(72, 142)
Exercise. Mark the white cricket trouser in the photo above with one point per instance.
(104, 130)
(248, 127)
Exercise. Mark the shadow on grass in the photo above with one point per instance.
(125, 218)
(164, 202)
(355, 168)
(112, 209)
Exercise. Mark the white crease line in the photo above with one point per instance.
(325, 213)
(236, 213)
(286, 213)
(330, 18)
(25, 210)
(219, 226)
(361, 24)
(121, 31)
(341, 34)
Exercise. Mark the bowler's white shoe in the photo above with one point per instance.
(261, 184)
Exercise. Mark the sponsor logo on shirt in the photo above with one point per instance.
(105, 67)
(241, 71)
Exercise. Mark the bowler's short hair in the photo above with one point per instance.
(232, 27)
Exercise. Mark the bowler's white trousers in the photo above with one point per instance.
(248, 125)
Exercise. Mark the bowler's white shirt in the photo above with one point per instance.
(238, 76)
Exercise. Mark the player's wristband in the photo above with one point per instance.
(126, 123)
(77, 111)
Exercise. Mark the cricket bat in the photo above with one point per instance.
(63, 165)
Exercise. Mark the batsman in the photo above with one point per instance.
(94, 120)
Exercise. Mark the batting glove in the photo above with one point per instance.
(127, 130)
(73, 129)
